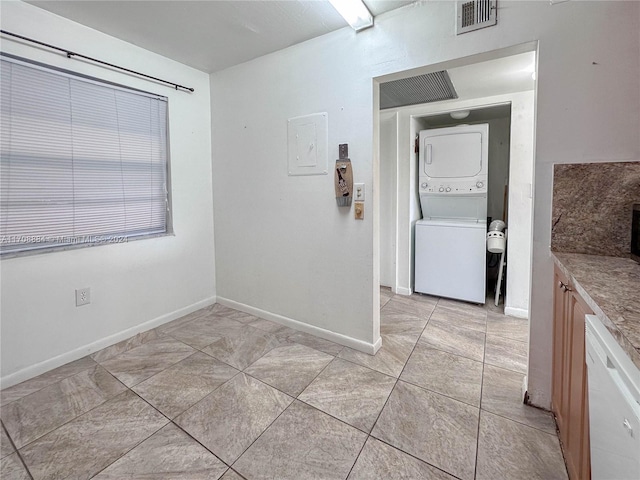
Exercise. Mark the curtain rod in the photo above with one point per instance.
(74, 54)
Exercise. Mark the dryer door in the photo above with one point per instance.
(452, 155)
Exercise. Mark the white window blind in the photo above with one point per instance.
(81, 162)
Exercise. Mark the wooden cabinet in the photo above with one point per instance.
(569, 398)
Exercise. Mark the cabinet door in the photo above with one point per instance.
(569, 379)
(576, 403)
(559, 384)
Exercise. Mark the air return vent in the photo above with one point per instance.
(431, 87)
(476, 14)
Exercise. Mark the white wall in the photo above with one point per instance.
(517, 297)
(388, 197)
(283, 246)
(499, 129)
(134, 286)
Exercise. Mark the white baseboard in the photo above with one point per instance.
(370, 348)
(377, 345)
(50, 364)
(403, 291)
(516, 312)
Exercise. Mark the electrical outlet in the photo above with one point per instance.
(358, 192)
(83, 296)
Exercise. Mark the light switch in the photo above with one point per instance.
(358, 192)
(359, 210)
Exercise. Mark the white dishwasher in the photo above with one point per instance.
(614, 406)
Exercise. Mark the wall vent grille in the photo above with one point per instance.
(430, 87)
(476, 14)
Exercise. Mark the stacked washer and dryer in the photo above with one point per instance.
(450, 240)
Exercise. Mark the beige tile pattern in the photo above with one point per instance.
(289, 368)
(221, 310)
(508, 449)
(393, 322)
(470, 308)
(125, 345)
(241, 317)
(231, 475)
(389, 359)
(91, 442)
(385, 295)
(508, 327)
(434, 428)
(506, 353)
(5, 444)
(53, 376)
(454, 339)
(350, 392)
(461, 314)
(47, 409)
(273, 328)
(502, 394)
(424, 425)
(381, 461)
(168, 454)
(400, 332)
(441, 372)
(184, 320)
(205, 330)
(142, 362)
(180, 386)
(316, 343)
(243, 347)
(303, 443)
(11, 468)
(409, 305)
(233, 416)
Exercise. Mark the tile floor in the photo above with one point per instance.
(223, 394)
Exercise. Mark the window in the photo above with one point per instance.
(82, 162)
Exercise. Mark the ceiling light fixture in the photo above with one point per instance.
(355, 12)
(460, 114)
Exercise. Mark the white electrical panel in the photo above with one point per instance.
(307, 140)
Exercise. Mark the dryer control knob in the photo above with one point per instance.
(441, 189)
(448, 189)
(479, 184)
(424, 185)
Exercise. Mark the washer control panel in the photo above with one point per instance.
(477, 185)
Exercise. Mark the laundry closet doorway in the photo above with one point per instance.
(500, 92)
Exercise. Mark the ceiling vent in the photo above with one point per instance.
(476, 14)
(431, 87)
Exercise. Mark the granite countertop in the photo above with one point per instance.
(611, 288)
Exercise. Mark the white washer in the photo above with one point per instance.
(450, 259)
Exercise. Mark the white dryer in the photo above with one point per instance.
(450, 240)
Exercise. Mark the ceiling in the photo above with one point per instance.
(495, 77)
(478, 115)
(210, 35)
